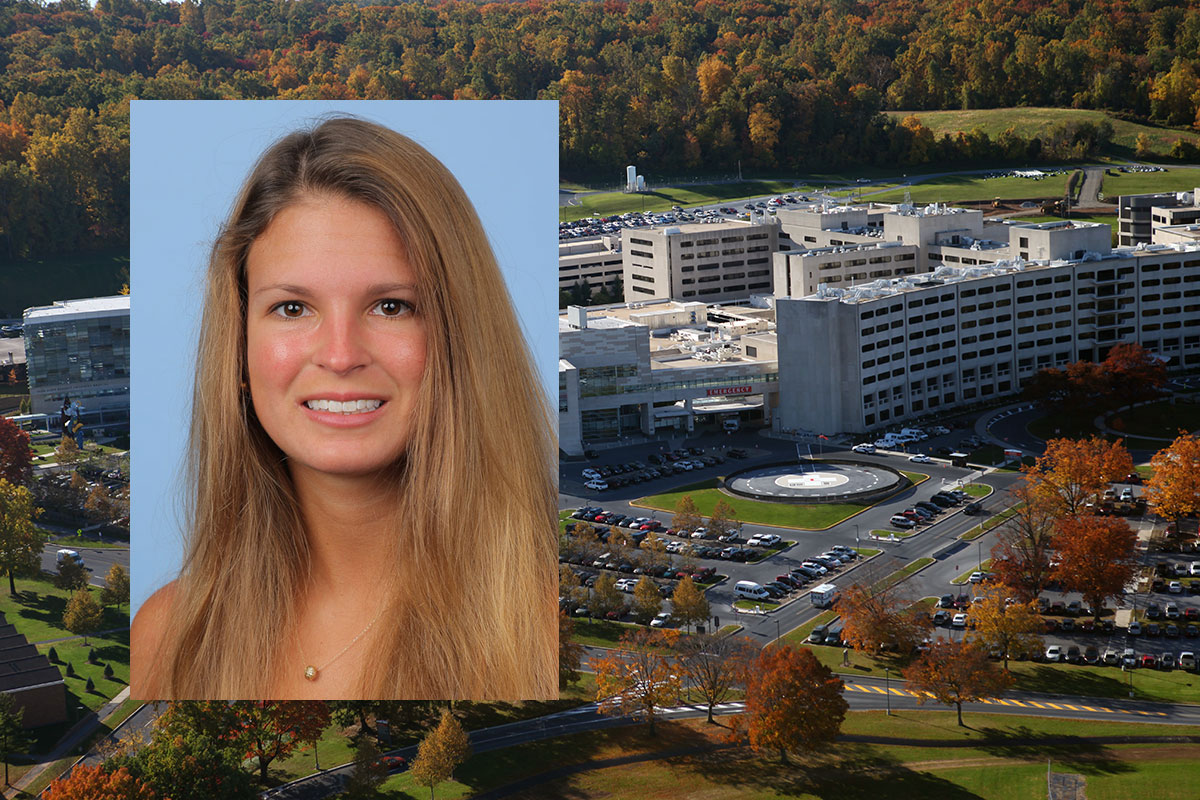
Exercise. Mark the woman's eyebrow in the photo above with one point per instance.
(285, 288)
(388, 288)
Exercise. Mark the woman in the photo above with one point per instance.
(371, 456)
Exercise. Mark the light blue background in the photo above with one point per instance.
(187, 161)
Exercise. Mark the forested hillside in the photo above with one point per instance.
(677, 84)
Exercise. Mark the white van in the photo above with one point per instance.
(63, 556)
(750, 591)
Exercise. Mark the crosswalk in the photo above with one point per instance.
(870, 689)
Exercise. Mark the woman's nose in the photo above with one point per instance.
(341, 346)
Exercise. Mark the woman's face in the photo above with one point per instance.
(335, 337)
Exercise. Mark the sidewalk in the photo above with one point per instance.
(78, 734)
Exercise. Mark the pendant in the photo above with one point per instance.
(310, 673)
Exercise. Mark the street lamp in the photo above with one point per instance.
(887, 684)
(777, 634)
(856, 542)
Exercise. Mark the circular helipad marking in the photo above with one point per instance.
(811, 480)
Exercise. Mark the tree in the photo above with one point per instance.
(879, 615)
(71, 574)
(655, 549)
(715, 665)
(1073, 471)
(1096, 557)
(605, 597)
(1011, 628)
(93, 783)
(792, 701)
(67, 451)
(1022, 553)
(368, 773)
(1133, 373)
(116, 587)
(270, 730)
(570, 653)
(83, 614)
(20, 542)
(98, 504)
(16, 459)
(1174, 489)
(440, 753)
(639, 674)
(955, 673)
(686, 518)
(12, 734)
(187, 764)
(724, 519)
(647, 601)
(688, 604)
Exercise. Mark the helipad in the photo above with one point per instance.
(815, 482)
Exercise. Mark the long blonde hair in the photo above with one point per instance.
(471, 611)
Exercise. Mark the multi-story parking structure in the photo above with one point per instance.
(710, 262)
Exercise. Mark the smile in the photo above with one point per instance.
(344, 406)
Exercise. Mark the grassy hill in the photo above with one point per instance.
(1029, 122)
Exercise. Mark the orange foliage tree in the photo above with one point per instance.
(1072, 471)
(1174, 489)
(16, 458)
(954, 673)
(792, 701)
(639, 674)
(1022, 553)
(271, 730)
(93, 783)
(715, 665)
(881, 617)
(1011, 628)
(1096, 557)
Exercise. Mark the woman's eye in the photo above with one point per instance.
(290, 309)
(391, 308)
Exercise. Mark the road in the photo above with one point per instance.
(97, 559)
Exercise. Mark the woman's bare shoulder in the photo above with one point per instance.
(146, 640)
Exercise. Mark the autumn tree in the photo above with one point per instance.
(72, 574)
(689, 606)
(1096, 557)
(880, 615)
(1025, 543)
(686, 518)
(639, 675)
(441, 752)
(1174, 489)
(569, 586)
(98, 504)
(184, 763)
(714, 666)
(724, 519)
(12, 734)
(117, 587)
(655, 548)
(83, 614)
(21, 542)
(1073, 471)
(792, 701)
(67, 451)
(16, 459)
(271, 730)
(605, 597)
(955, 673)
(1011, 628)
(1133, 374)
(94, 783)
(647, 601)
(570, 653)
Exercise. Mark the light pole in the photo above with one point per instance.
(979, 549)
(856, 542)
(777, 634)
(887, 684)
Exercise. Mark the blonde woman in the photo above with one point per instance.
(371, 456)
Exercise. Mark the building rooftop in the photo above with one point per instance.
(96, 306)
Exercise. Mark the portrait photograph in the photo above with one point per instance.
(343, 354)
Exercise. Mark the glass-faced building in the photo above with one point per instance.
(79, 349)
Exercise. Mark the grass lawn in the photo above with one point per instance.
(966, 576)
(112, 650)
(866, 551)
(37, 611)
(963, 188)
(83, 541)
(806, 517)
(898, 534)
(799, 636)
(1162, 419)
(753, 604)
(661, 199)
(978, 489)
(1176, 179)
(600, 633)
(998, 767)
(1029, 122)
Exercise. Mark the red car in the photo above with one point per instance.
(1149, 661)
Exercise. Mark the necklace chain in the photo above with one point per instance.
(312, 672)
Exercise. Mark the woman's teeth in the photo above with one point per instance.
(344, 407)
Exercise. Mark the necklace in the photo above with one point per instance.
(312, 672)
